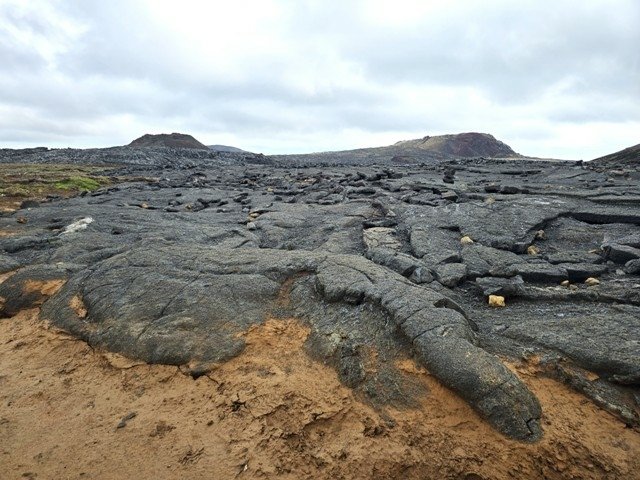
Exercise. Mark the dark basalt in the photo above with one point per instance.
(174, 268)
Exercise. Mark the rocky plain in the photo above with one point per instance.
(438, 308)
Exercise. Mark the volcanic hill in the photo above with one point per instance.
(469, 144)
(170, 140)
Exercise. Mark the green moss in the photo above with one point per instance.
(19, 181)
(78, 183)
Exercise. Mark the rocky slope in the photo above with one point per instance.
(379, 265)
(627, 158)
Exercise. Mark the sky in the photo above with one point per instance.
(557, 79)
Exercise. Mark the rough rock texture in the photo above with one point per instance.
(175, 269)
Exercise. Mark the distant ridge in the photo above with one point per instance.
(226, 148)
(425, 149)
(171, 140)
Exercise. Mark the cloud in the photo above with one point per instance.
(290, 76)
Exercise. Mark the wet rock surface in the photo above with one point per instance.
(174, 268)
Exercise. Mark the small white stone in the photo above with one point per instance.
(77, 226)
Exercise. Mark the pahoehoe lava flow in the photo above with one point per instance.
(393, 251)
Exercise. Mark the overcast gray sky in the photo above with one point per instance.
(550, 78)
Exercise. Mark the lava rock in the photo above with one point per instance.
(29, 204)
(504, 287)
(8, 264)
(573, 257)
(632, 267)
(451, 274)
(578, 272)
(542, 272)
(620, 254)
(481, 260)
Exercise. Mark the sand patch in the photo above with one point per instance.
(6, 233)
(77, 305)
(9, 205)
(44, 287)
(272, 412)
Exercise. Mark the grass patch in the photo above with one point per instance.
(36, 181)
(78, 184)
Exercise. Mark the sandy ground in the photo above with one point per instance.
(9, 204)
(68, 411)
